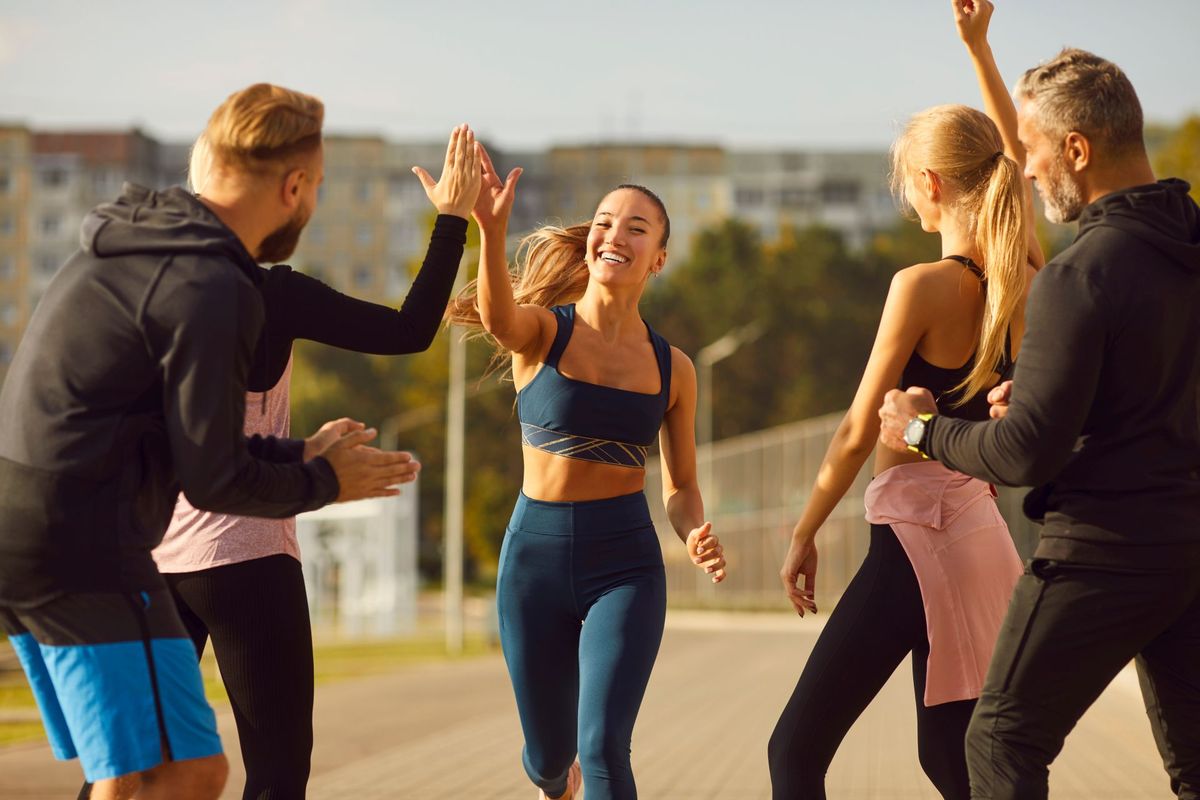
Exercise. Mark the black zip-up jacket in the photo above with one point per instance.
(1105, 411)
(129, 384)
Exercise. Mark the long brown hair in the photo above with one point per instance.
(963, 146)
(551, 269)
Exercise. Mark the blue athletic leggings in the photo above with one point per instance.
(582, 598)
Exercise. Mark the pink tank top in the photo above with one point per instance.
(198, 540)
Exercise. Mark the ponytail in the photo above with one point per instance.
(1000, 236)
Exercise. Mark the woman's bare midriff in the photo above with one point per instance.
(559, 479)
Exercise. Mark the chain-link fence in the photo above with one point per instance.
(755, 487)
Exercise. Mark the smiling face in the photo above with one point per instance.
(625, 242)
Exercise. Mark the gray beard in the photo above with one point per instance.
(1061, 196)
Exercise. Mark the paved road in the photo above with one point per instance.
(450, 730)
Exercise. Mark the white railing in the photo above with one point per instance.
(760, 482)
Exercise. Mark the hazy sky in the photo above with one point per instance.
(527, 73)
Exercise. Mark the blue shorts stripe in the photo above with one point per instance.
(30, 654)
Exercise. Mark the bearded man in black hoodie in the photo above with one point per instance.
(1104, 418)
(128, 386)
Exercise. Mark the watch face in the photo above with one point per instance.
(913, 431)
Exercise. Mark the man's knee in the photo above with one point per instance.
(190, 779)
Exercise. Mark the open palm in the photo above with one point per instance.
(495, 200)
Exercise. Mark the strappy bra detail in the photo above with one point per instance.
(588, 421)
(942, 380)
(584, 448)
(976, 270)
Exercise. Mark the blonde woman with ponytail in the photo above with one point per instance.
(581, 591)
(941, 564)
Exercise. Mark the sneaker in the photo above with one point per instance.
(574, 785)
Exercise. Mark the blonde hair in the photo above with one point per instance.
(199, 164)
(263, 129)
(551, 270)
(964, 148)
(1080, 91)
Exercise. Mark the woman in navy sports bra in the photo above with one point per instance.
(941, 565)
(581, 590)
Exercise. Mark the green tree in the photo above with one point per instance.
(1179, 155)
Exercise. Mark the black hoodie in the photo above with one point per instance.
(129, 384)
(1105, 411)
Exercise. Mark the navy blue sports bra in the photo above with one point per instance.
(587, 421)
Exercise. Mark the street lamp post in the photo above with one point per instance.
(709, 355)
(452, 558)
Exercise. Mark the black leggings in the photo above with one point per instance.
(256, 613)
(879, 620)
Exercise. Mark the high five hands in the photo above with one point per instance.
(706, 552)
(456, 191)
(496, 197)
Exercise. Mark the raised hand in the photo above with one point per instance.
(706, 552)
(495, 200)
(364, 472)
(801, 560)
(972, 17)
(458, 188)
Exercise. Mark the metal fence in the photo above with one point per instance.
(756, 485)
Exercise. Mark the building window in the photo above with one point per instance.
(5, 181)
(363, 191)
(844, 192)
(364, 235)
(51, 224)
(48, 264)
(54, 178)
(362, 277)
(8, 314)
(7, 268)
(795, 198)
(105, 182)
(749, 198)
(6, 352)
(793, 162)
(6, 224)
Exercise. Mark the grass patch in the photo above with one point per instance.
(19, 732)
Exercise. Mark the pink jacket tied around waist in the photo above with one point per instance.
(965, 563)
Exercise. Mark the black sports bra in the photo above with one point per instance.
(941, 381)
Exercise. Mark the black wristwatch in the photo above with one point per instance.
(916, 432)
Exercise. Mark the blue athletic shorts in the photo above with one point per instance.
(116, 679)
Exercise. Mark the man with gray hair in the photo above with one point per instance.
(1104, 418)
